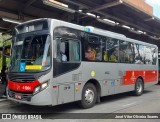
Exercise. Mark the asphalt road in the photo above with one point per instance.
(125, 103)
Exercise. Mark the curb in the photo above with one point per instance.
(1, 100)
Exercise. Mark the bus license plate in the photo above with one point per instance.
(18, 96)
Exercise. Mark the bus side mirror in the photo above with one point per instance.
(6, 49)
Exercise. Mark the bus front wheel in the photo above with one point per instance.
(89, 96)
(139, 87)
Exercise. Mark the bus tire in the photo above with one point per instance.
(89, 96)
(139, 87)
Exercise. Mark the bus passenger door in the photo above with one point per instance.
(67, 68)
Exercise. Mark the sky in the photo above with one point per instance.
(156, 7)
(153, 2)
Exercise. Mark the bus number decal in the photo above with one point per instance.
(27, 88)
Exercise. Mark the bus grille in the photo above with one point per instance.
(21, 78)
(25, 96)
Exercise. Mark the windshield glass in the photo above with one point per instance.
(30, 54)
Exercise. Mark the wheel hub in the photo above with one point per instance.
(89, 96)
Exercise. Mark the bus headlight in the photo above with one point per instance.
(44, 85)
(37, 89)
(41, 87)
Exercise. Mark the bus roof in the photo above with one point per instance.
(91, 29)
(101, 32)
(26, 22)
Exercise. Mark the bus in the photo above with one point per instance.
(55, 62)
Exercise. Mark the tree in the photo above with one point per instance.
(2, 39)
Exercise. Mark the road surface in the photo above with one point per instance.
(149, 102)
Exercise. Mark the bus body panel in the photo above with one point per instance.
(103, 73)
(67, 86)
(44, 98)
(47, 96)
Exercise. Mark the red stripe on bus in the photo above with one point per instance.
(147, 75)
(23, 87)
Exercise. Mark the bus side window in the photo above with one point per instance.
(90, 53)
(125, 52)
(137, 54)
(112, 50)
(148, 55)
(93, 51)
(61, 56)
(140, 54)
(74, 50)
(63, 51)
(154, 56)
(104, 50)
(68, 50)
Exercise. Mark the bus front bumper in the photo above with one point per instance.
(42, 98)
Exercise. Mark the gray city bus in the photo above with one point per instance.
(55, 62)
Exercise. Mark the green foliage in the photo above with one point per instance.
(0, 63)
(3, 38)
(7, 61)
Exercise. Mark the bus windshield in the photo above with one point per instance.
(30, 54)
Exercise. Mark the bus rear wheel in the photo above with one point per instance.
(139, 87)
(89, 96)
